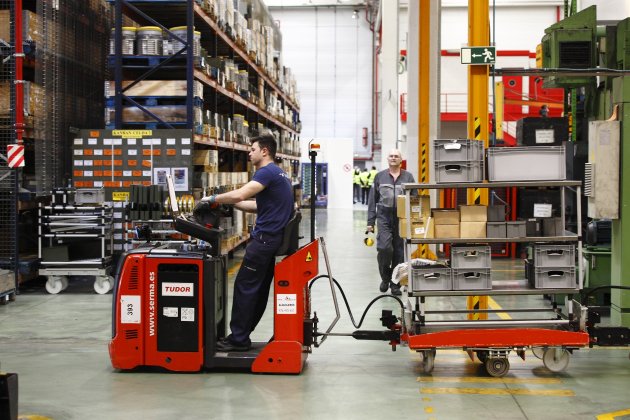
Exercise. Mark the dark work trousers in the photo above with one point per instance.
(357, 192)
(251, 287)
(389, 245)
(365, 194)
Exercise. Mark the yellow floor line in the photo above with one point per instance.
(489, 380)
(500, 391)
(611, 416)
(492, 304)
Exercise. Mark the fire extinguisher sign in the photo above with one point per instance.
(15, 155)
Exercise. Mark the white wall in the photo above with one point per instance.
(337, 153)
(330, 54)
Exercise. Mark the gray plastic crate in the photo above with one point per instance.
(555, 278)
(496, 213)
(431, 278)
(458, 150)
(496, 230)
(554, 255)
(538, 163)
(552, 226)
(446, 172)
(470, 257)
(478, 279)
(516, 229)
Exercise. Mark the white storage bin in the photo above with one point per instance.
(447, 172)
(539, 163)
(458, 150)
(555, 278)
(554, 255)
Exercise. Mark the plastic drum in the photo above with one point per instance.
(182, 32)
(128, 41)
(149, 40)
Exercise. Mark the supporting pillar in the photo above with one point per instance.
(478, 35)
(388, 58)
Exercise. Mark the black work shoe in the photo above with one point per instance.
(384, 286)
(226, 345)
(395, 288)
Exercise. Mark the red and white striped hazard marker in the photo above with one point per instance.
(15, 155)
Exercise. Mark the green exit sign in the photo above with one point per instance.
(478, 55)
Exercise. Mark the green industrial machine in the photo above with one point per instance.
(577, 43)
(571, 44)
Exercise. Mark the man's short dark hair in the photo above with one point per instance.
(267, 141)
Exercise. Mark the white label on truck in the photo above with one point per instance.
(188, 314)
(177, 289)
(286, 304)
(170, 312)
(130, 309)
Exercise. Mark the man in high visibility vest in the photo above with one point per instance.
(373, 173)
(356, 185)
(365, 185)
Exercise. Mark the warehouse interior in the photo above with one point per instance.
(509, 294)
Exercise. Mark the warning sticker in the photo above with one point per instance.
(309, 257)
(286, 304)
(188, 314)
(170, 312)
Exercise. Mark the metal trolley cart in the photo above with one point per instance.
(75, 240)
(552, 335)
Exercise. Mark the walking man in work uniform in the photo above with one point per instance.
(382, 210)
(365, 185)
(356, 185)
(274, 206)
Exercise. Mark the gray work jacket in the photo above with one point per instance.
(382, 200)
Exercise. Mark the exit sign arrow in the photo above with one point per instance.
(478, 55)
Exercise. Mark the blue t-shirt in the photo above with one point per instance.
(275, 203)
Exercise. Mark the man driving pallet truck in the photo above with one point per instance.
(169, 305)
(274, 206)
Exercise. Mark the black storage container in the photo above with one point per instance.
(534, 131)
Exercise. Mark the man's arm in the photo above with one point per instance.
(248, 206)
(373, 198)
(246, 192)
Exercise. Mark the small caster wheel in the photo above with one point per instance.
(12, 297)
(428, 360)
(497, 367)
(538, 352)
(482, 355)
(556, 359)
(65, 281)
(103, 284)
(54, 285)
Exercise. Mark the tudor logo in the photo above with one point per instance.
(177, 289)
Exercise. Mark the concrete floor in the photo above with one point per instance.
(58, 346)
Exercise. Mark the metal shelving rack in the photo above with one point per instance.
(68, 225)
(492, 340)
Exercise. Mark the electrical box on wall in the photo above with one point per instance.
(601, 180)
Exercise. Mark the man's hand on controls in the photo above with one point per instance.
(370, 229)
(210, 201)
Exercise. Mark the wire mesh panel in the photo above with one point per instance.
(70, 71)
(7, 136)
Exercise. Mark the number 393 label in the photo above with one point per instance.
(129, 309)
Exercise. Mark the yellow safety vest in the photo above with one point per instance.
(365, 179)
(356, 178)
(373, 173)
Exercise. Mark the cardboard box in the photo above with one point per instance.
(447, 231)
(473, 213)
(472, 229)
(420, 207)
(420, 229)
(446, 216)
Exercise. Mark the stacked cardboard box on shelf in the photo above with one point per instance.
(446, 223)
(31, 26)
(473, 221)
(420, 216)
(33, 99)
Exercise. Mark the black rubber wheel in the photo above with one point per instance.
(497, 367)
(482, 355)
